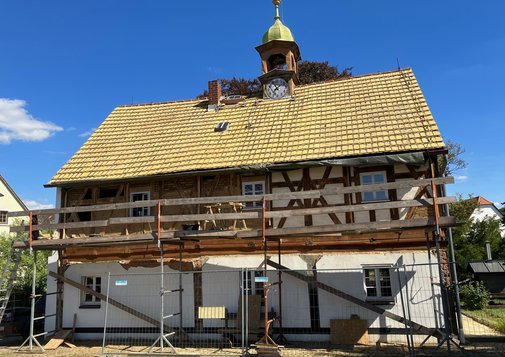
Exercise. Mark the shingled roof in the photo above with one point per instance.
(363, 115)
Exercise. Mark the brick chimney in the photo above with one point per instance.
(214, 95)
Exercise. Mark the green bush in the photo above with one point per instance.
(474, 296)
(500, 326)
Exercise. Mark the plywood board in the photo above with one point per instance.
(349, 332)
(253, 313)
(58, 338)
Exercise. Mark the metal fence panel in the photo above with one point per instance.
(171, 298)
(224, 311)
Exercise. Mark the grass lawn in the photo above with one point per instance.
(492, 317)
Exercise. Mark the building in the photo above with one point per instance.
(491, 273)
(9, 202)
(487, 210)
(346, 168)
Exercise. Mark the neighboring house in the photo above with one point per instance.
(333, 138)
(487, 210)
(9, 202)
(491, 271)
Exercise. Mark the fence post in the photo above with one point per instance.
(408, 329)
(106, 313)
(242, 303)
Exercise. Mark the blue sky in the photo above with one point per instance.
(65, 65)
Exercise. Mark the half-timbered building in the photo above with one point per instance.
(341, 174)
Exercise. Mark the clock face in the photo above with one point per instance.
(277, 88)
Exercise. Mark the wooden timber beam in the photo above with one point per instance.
(378, 310)
(172, 202)
(119, 305)
(352, 227)
(176, 236)
(149, 256)
(299, 195)
(242, 215)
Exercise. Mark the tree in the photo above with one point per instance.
(23, 281)
(308, 72)
(454, 160)
(312, 72)
(470, 238)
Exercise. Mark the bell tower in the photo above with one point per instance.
(279, 59)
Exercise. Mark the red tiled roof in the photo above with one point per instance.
(482, 201)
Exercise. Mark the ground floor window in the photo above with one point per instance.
(378, 283)
(3, 217)
(94, 283)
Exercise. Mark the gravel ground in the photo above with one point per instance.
(91, 349)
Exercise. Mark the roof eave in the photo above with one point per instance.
(252, 168)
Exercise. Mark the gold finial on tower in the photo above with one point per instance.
(277, 3)
(278, 31)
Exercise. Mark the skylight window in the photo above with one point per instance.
(222, 126)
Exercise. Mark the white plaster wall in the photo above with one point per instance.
(344, 271)
(488, 212)
(10, 204)
(221, 287)
(348, 277)
(485, 211)
(142, 293)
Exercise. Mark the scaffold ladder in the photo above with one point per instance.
(9, 276)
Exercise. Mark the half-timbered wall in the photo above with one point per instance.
(304, 179)
(327, 177)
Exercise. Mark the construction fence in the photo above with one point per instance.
(228, 310)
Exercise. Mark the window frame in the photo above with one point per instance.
(4, 219)
(95, 302)
(135, 210)
(255, 204)
(377, 284)
(374, 193)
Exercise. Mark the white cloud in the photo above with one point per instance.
(214, 70)
(461, 178)
(87, 133)
(32, 204)
(17, 124)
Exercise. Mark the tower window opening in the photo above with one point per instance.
(277, 61)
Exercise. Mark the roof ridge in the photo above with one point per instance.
(355, 77)
(299, 86)
(159, 103)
